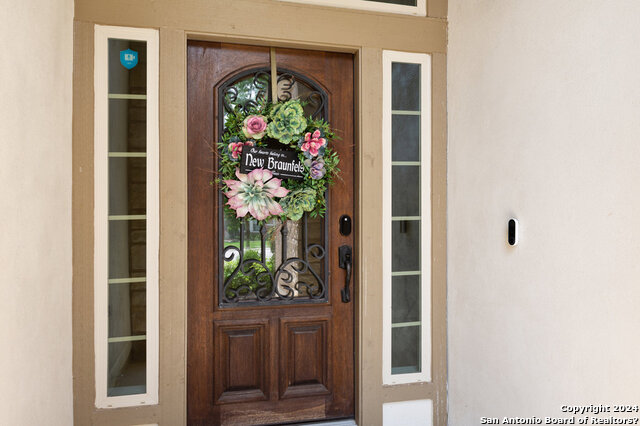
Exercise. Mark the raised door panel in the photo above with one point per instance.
(304, 349)
(241, 360)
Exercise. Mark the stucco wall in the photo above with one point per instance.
(35, 218)
(543, 126)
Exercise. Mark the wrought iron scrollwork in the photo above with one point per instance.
(318, 101)
(247, 88)
(253, 281)
(294, 280)
(285, 84)
(245, 92)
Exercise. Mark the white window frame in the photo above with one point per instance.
(101, 219)
(419, 10)
(388, 58)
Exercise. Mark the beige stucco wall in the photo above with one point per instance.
(35, 218)
(543, 126)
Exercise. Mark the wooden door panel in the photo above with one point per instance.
(267, 364)
(241, 360)
(304, 349)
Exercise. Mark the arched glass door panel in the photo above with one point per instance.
(274, 262)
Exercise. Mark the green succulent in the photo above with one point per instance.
(297, 202)
(287, 122)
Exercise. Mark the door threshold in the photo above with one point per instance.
(343, 422)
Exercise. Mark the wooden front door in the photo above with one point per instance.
(287, 355)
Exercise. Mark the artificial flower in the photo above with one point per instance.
(287, 121)
(316, 167)
(235, 148)
(313, 143)
(254, 127)
(298, 202)
(253, 193)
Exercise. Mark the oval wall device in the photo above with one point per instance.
(513, 232)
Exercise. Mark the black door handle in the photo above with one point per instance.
(344, 256)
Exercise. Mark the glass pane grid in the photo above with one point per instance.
(406, 200)
(405, 350)
(127, 376)
(124, 80)
(127, 215)
(405, 86)
(405, 193)
(127, 131)
(405, 138)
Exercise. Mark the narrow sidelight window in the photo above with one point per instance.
(126, 216)
(407, 217)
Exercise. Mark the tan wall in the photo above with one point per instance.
(365, 34)
(543, 126)
(35, 218)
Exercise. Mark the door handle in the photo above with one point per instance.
(344, 261)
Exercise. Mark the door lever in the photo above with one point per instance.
(344, 261)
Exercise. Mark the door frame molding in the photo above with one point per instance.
(370, 393)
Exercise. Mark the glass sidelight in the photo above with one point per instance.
(127, 219)
(126, 212)
(407, 211)
(275, 262)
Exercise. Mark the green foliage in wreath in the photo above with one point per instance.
(278, 126)
(287, 122)
(297, 202)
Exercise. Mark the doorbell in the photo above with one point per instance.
(513, 232)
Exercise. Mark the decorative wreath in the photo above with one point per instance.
(276, 127)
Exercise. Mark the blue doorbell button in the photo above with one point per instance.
(513, 232)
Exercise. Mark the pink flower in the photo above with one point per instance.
(313, 142)
(235, 148)
(254, 126)
(254, 193)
